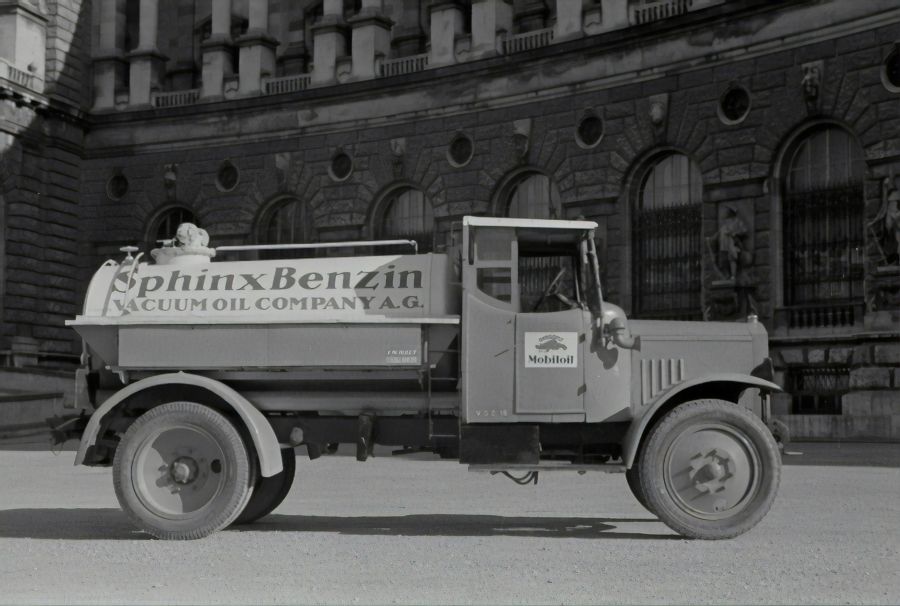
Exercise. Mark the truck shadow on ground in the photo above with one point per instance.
(457, 525)
(111, 524)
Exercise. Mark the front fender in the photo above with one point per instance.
(639, 426)
(264, 440)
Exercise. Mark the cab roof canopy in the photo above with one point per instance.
(527, 223)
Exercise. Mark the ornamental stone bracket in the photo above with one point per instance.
(659, 112)
(811, 85)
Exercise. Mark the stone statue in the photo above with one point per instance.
(886, 224)
(189, 246)
(730, 243)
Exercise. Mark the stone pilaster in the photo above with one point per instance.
(446, 25)
(329, 42)
(371, 37)
(147, 64)
(489, 18)
(257, 49)
(217, 50)
(109, 60)
(569, 20)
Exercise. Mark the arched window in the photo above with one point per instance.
(534, 197)
(408, 215)
(666, 240)
(166, 223)
(289, 221)
(822, 230)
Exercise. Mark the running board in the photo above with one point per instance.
(546, 466)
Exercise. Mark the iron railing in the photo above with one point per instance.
(667, 255)
(823, 256)
(817, 389)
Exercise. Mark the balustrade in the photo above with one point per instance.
(16, 75)
(646, 12)
(528, 41)
(404, 65)
(175, 98)
(286, 84)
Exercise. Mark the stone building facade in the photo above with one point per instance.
(739, 156)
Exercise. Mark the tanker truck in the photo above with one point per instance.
(206, 377)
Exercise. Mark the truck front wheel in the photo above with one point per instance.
(709, 469)
(270, 492)
(182, 471)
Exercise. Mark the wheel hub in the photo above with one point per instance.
(183, 470)
(711, 471)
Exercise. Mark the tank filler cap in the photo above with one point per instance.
(128, 250)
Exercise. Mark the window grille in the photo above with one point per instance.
(817, 389)
(289, 222)
(408, 214)
(534, 197)
(822, 231)
(666, 242)
(167, 223)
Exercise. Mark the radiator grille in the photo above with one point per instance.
(657, 374)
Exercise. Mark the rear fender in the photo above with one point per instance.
(717, 384)
(261, 433)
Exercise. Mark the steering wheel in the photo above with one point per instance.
(552, 290)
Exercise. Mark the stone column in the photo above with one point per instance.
(147, 63)
(489, 19)
(568, 20)
(329, 42)
(446, 25)
(408, 37)
(217, 50)
(109, 62)
(371, 38)
(257, 58)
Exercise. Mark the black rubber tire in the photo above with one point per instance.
(158, 436)
(754, 473)
(270, 492)
(633, 477)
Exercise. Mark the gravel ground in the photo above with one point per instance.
(406, 531)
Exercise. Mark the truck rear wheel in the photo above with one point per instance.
(710, 469)
(182, 471)
(632, 475)
(270, 492)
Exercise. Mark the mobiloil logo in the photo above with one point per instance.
(551, 349)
